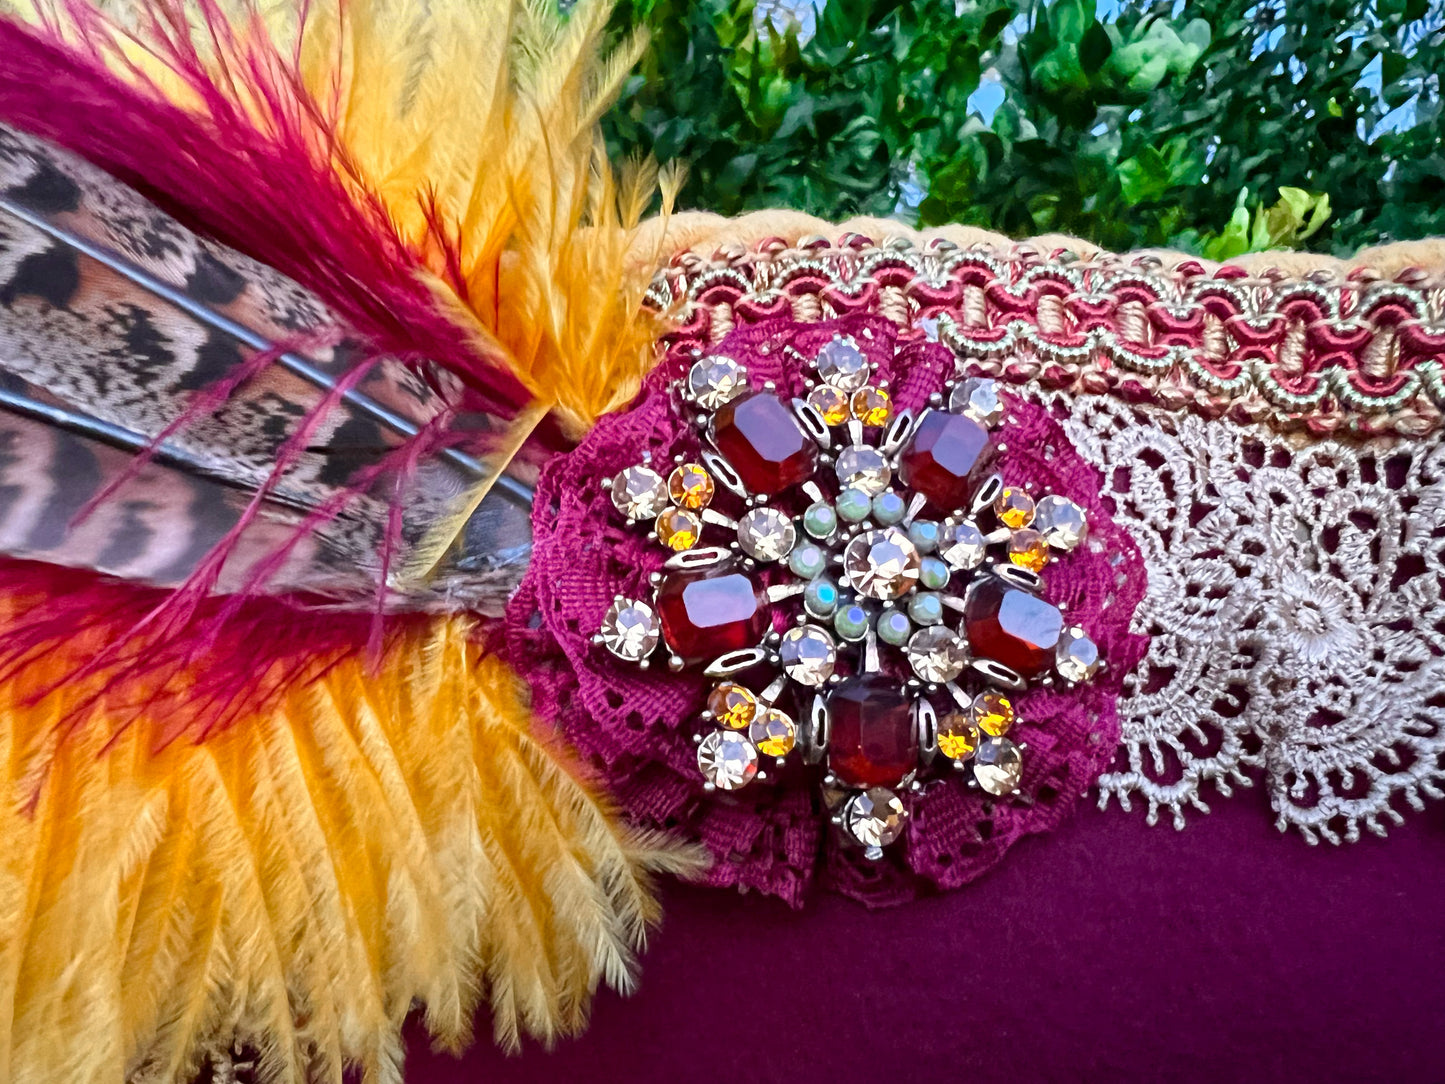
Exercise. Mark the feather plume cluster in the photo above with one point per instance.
(366, 841)
(433, 171)
(267, 832)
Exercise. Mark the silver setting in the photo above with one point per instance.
(988, 492)
(734, 662)
(1019, 577)
(723, 473)
(897, 433)
(997, 672)
(925, 727)
(816, 731)
(702, 557)
(813, 423)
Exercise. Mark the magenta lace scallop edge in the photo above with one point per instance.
(634, 728)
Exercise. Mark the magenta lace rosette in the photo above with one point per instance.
(825, 509)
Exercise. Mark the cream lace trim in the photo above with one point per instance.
(1294, 605)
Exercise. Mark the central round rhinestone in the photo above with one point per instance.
(882, 564)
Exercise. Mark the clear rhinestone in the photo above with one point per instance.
(630, 630)
(639, 493)
(843, 365)
(1060, 521)
(1078, 656)
(865, 468)
(714, 382)
(978, 397)
(774, 733)
(961, 544)
(875, 817)
(807, 655)
(727, 759)
(998, 766)
(881, 564)
(936, 654)
(765, 534)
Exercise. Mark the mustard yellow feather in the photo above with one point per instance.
(377, 840)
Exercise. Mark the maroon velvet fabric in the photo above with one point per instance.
(1107, 951)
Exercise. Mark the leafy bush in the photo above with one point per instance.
(1214, 125)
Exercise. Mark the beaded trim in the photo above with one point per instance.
(1357, 355)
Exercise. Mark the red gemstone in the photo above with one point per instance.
(704, 616)
(1011, 626)
(758, 436)
(871, 742)
(947, 459)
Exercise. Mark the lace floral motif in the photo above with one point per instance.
(1295, 614)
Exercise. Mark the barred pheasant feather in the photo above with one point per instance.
(363, 452)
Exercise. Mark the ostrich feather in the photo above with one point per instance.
(370, 839)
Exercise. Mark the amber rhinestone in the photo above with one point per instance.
(690, 486)
(1014, 508)
(830, 402)
(872, 407)
(732, 705)
(993, 713)
(957, 736)
(1027, 549)
(678, 529)
(773, 733)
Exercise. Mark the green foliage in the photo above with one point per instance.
(1148, 128)
(1296, 216)
(833, 125)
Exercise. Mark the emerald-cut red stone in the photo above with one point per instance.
(759, 437)
(707, 615)
(947, 458)
(1011, 626)
(871, 740)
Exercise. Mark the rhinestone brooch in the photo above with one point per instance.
(859, 582)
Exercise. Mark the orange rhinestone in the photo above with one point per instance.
(1027, 549)
(773, 733)
(871, 406)
(830, 402)
(993, 713)
(1014, 508)
(678, 529)
(690, 486)
(732, 705)
(957, 737)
